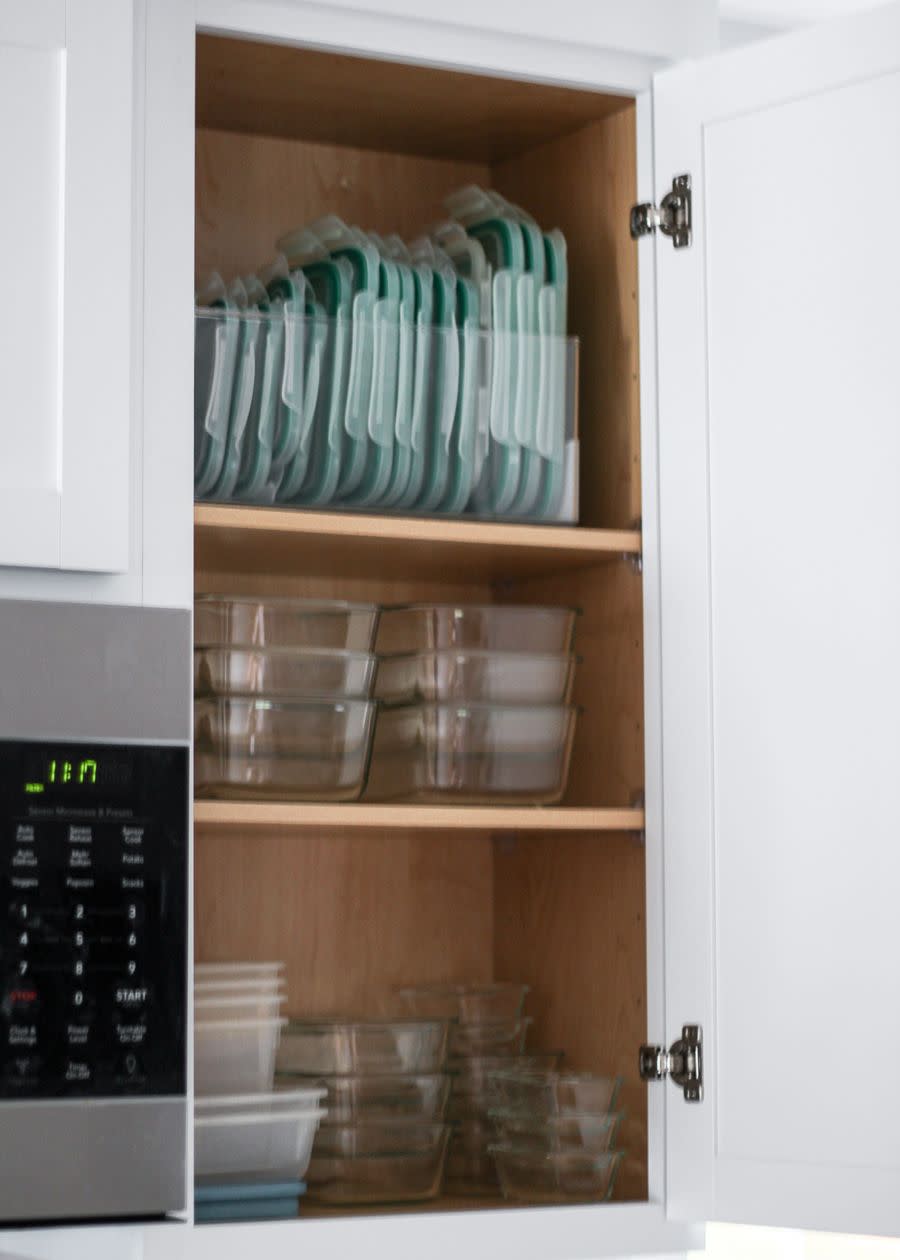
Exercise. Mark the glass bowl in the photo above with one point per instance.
(555, 1176)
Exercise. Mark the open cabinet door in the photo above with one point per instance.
(779, 440)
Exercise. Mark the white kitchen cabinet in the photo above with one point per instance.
(65, 241)
(747, 679)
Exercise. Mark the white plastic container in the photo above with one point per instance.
(273, 1143)
(211, 1008)
(238, 988)
(238, 971)
(236, 1056)
(308, 1099)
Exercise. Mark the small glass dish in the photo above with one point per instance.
(472, 753)
(486, 627)
(474, 1077)
(543, 1093)
(267, 621)
(489, 677)
(362, 1099)
(481, 1037)
(555, 1176)
(470, 1167)
(356, 1047)
(316, 750)
(586, 1132)
(377, 1163)
(282, 673)
(465, 1002)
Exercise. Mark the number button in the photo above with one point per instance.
(79, 940)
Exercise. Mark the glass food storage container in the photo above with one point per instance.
(472, 753)
(377, 1163)
(269, 621)
(527, 628)
(284, 673)
(314, 750)
(496, 677)
(354, 1047)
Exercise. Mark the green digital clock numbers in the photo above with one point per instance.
(72, 771)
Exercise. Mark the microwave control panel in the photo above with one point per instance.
(93, 937)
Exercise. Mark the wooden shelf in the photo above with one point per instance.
(334, 544)
(278, 814)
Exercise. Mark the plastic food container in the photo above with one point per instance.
(586, 1132)
(289, 749)
(282, 672)
(488, 627)
(555, 1093)
(357, 1099)
(475, 753)
(270, 1142)
(251, 1005)
(311, 1099)
(267, 986)
(375, 1163)
(465, 1002)
(377, 1047)
(237, 972)
(555, 1176)
(254, 621)
(496, 1036)
(236, 1056)
(496, 677)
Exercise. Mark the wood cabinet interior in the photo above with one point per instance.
(286, 135)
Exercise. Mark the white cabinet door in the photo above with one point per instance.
(779, 439)
(65, 254)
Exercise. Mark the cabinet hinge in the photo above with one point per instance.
(682, 1062)
(672, 216)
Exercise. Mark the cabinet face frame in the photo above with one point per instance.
(337, 39)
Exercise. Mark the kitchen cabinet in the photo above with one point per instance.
(724, 856)
(66, 232)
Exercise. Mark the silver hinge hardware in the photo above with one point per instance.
(672, 217)
(682, 1063)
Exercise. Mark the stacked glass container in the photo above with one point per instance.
(475, 704)
(282, 693)
(487, 1033)
(385, 1138)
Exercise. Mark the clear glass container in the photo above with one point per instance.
(472, 753)
(494, 677)
(465, 1002)
(377, 1163)
(528, 628)
(316, 750)
(283, 672)
(270, 621)
(357, 1047)
(555, 1176)
(543, 1093)
(470, 1165)
(495, 1036)
(587, 1132)
(358, 1099)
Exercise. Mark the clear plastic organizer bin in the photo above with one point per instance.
(472, 753)
(402, 404)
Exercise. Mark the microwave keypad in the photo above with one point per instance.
(92, 944)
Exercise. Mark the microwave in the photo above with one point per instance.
(95, 824)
